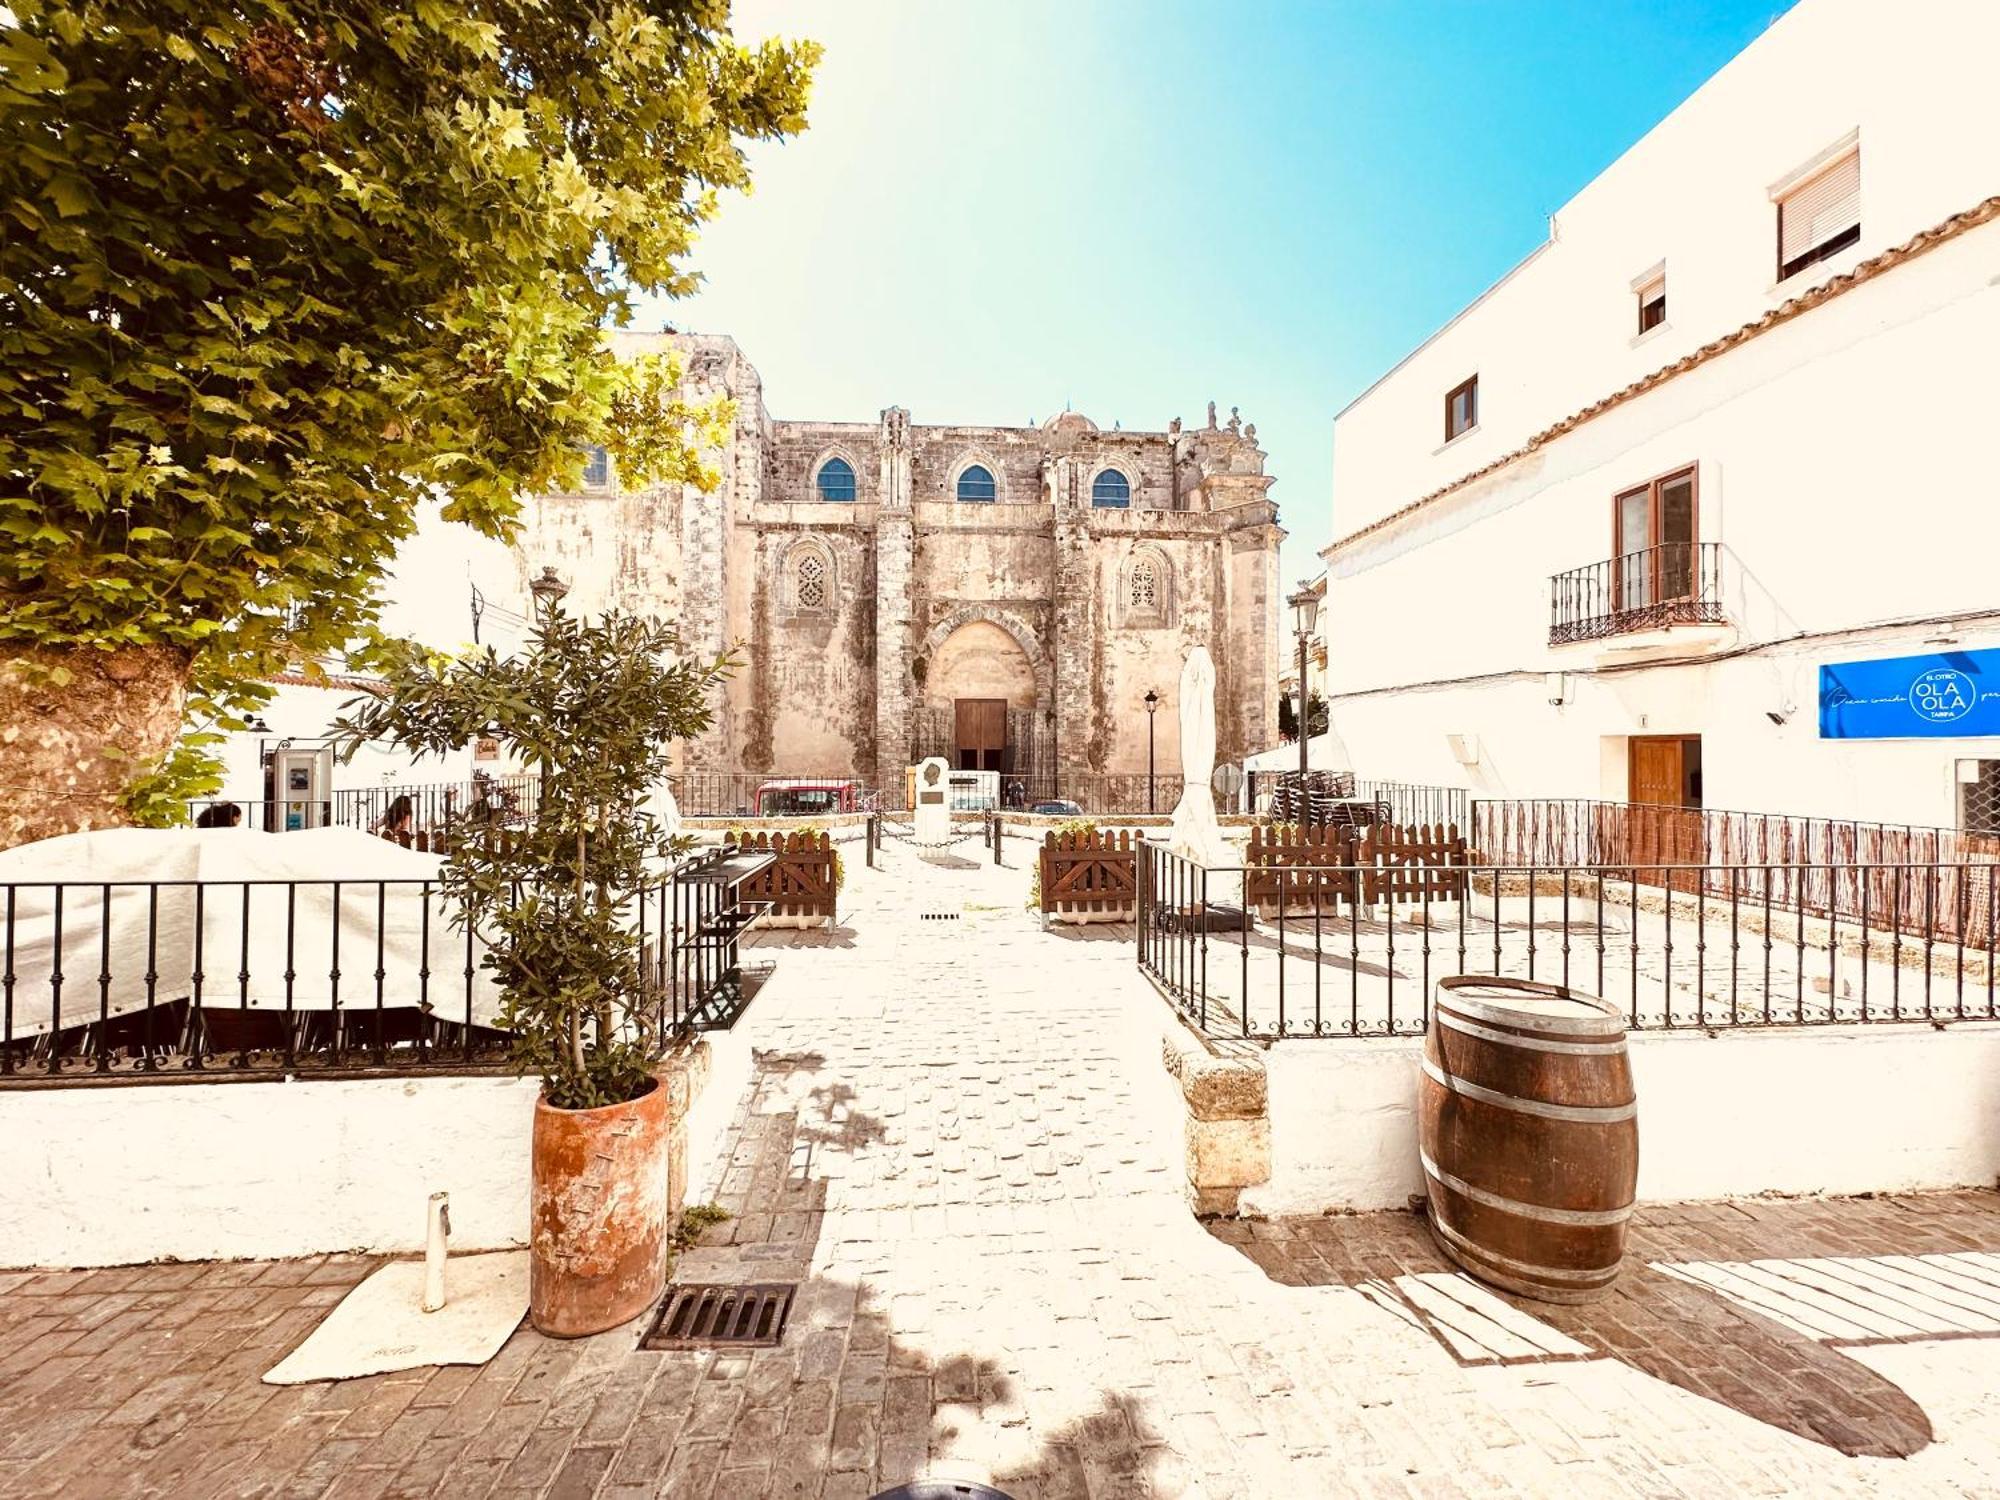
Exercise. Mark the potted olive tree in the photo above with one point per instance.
(592, 707)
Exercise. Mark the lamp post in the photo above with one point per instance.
(1152, 707)
(548, 591)
(1305, 611)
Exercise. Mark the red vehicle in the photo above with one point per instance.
(807, 798)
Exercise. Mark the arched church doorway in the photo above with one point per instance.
(979, 690)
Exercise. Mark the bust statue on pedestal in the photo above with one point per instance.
(932, 814)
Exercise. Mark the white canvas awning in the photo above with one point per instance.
(91, 915)
(1324, 752)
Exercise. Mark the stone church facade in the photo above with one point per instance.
(1003, 596)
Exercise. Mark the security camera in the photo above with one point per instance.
(1775, 716)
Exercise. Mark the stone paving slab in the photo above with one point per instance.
(958, 1137)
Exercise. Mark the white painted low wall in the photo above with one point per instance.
(714, 1111)
(1833, 1110)
(106, 1175)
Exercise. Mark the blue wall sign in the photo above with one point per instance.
(1949, 695)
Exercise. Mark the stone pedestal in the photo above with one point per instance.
(932, 814)
(1228, 1119)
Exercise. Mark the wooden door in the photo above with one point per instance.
(1662, 826)
(981, 735)
(1653, 543)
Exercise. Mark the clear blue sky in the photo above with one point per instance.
(1005, 206)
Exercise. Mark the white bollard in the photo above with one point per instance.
(436, 1232)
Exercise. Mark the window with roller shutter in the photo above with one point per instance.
(1820, 216)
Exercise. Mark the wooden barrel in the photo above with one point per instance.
(1528, 1128)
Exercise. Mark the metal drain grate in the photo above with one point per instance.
(709, 1317)
(937, 916)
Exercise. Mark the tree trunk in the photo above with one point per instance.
(55, 774)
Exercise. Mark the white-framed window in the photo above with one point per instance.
(1819, 211)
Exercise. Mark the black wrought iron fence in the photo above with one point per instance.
(1412, 802)
(1831, 867)
(1355, 950)
(433, 807)
(202, 978)
(1652, 588)
(747, 794)
(496, 801)
(1093, 793)
(1347, 800)
(764, 794)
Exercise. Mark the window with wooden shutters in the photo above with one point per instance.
(1461, 409)
(1821, 216)
(1653, 304)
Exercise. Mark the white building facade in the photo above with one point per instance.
(1619, 527)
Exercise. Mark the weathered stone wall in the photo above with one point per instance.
(812, 704)
(850, 618)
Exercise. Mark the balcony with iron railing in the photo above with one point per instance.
(1658, 588)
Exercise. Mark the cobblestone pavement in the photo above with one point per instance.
(958, 1135)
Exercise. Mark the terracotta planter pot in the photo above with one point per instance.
(598, 1226)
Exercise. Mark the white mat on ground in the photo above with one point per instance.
(381, 1325)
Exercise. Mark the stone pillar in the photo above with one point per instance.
(705, 522)
(895, 565)
(1078, 745)
(1228, 1120)
(1258, 640)
(1222, 472)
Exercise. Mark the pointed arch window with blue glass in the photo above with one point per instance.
(836, 480)
(975, 485)
(1111, 489)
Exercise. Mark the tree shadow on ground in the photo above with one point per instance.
(1094, 932)
(855, 1405)
(796, 937)
(1690, 1337)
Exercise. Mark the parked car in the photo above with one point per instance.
(1057, 807)
(806, 799)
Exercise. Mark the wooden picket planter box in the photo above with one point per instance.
(1325, 869)
(1090, 877)
(802, 887)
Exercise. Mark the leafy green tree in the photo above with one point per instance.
(594, 708)
(1288, 715)
(271, 275)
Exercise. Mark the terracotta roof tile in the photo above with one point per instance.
(1835, 286)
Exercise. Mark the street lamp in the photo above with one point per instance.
(1152, 707)
(548, 591)
(1305, 611)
